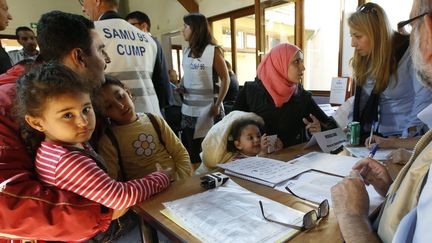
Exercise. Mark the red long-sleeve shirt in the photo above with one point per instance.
(77, 172)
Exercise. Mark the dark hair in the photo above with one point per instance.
(35, 87)
(201, 35)
(98, 101)
(141, 17)
(236, 131)
(58, 33)
(22, 28)
(111, 80)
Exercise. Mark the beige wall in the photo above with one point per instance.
(26, 11)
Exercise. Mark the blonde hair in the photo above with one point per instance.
(371, 20)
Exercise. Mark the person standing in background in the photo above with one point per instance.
(202, 61)
(133, 57)
(27, 39)
(160, 74)
(233, 89)
(5, 16)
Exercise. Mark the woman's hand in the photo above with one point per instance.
(314, 126)
(215, 110)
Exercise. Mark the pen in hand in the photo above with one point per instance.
(371, 133)
(372, 153)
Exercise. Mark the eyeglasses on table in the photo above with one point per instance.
(310, 219)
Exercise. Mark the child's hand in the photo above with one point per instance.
(278, 145)
(264, 144)
(168, 171)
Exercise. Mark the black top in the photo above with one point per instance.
(285, 121)
(5, 62)
(233, 89)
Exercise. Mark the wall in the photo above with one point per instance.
(165, 15)
(23, 12)
(212, 7)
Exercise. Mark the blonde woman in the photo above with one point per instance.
(387, 91)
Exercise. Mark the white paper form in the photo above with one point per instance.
(363, 152)
(264, 169)
(204, 122)
(315, 187)
(330, 163)
(231, 213)
(328, 140)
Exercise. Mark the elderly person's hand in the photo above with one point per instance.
(399, 156)
(350, 198)
(374, 173)
(314, 126)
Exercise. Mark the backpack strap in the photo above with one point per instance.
(156, 127)
(114, 142)
(94, 156)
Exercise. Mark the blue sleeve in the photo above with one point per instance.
(422, 98)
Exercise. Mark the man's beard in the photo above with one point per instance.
(423, 69)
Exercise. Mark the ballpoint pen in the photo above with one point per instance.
(372, 153)
(371, 133)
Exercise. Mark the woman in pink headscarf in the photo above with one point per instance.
(278, 97)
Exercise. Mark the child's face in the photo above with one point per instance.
(67, 119)
(249, 142)
(118, 104)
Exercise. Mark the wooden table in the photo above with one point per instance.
(327, 230)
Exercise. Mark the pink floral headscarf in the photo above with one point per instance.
(273, 72)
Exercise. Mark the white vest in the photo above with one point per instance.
(133, 56)
(404, 193)
(198, 82)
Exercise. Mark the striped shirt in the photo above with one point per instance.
(77, 172)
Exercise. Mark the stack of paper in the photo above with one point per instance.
(363, 152)
(231, 213)
(265, 171)
(315, 185)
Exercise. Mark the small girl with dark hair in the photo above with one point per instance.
(245, 139)
(55, 103)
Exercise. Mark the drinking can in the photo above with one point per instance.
(354, 133)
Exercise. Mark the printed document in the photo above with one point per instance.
(363, 152)
(231, 213)
(265, 171)
(315, 187)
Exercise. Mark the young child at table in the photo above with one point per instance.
(55, 102)
(135, 143)
(245, 139)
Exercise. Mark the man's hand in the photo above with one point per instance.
(399, 156)
(314, 126)
(351, 207)
(374, 173)
(350, 197)
(117, 213)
